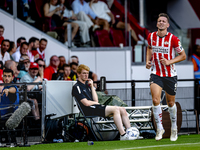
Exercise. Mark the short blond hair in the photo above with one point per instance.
(81, 67)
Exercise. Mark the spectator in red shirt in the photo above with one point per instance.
(52, 68)
(33, 45)
(40, 52)
(1, 34)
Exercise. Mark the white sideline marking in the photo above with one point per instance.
(155, 146)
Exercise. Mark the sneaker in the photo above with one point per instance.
(159, 134)
(29, 20)
(66, 43)
(74, 46)
(173, 136)
(126, 137)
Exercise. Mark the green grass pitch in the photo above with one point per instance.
(184, 142)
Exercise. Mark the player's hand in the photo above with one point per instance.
(90, 82)
(164, 61)
(148, 65)
(5, 91)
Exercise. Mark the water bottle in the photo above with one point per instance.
(58, 140)
(90, 143)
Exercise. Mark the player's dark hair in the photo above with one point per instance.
(164, 15)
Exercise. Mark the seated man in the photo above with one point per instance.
(86, 96)
(102, 11)
(10, 95)
(31, 77)
(84, 13)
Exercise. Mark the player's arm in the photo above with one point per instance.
(88, 102)
(181, 53)
(148, 57)
(180, 57)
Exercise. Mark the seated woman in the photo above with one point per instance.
(54, 11)
(69, 16)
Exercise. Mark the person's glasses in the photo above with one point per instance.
(41, 65)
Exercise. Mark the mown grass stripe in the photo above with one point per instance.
(156, 146)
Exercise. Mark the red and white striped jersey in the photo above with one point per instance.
(165, 47)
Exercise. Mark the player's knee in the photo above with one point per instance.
(170, 103)
(156, 101)
(116, 109)
(123, 111)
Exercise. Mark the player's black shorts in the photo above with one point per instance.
(168, 84)
(95, 110)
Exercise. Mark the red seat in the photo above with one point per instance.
(102, 38)
(117, 36)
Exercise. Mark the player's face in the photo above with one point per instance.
(162, 23)
(84, 75)
(7, 77)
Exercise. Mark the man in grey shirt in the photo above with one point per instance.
(31, 77)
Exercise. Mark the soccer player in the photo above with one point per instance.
(161, 59)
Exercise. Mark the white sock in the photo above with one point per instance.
(173, 116)
(158, 116)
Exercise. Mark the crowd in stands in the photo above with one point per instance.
(26, 59)
(85, 17)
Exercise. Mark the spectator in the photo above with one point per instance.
(12, 49)
(62, 61)
(23, 65)
(59, 74)
(101, 9)
(74, 67)
(17, 55)
(196, 61)
(31, 77)
(33, 45)
(54, 11)
(22, 51)
(4, 56)
(42, 66)
(67, 73)
(40, 53)
(10, 64)
(10, 94)
(20, 40)
(92, 75)
(69, 16)
(52, 68)
(1, 34)
(84, 13)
